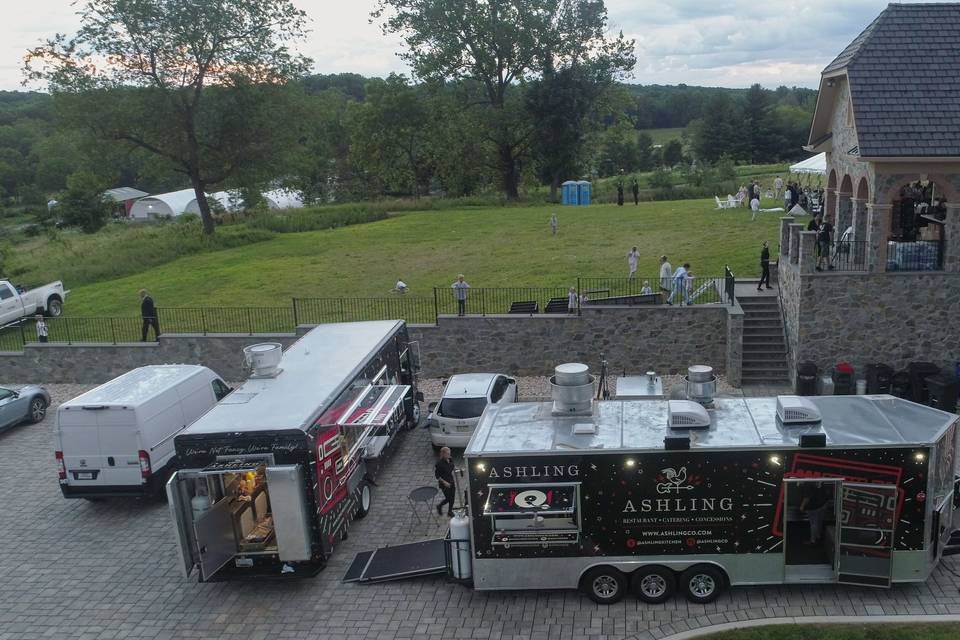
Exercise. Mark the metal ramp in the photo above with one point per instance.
(398, 562)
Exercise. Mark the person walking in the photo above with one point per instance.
(635, 188)
(554, 223)
(43, 334)
(778, 187)
(666, 272)
(764, 266)
(572, 300)
(460, 293)
(444, 471)
(632, 259)
(620, 193)
(680, 285)
(754, 208)
(148, 313)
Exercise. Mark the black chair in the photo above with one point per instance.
(526, 306)
(557, 305)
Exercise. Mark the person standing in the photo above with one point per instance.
(620, 193)
(460, 293)
(444, 471)
(755, 208)
(778, 187)
(42, 332)
(632, 259)
(572, 300)
(756, 191)
(814, 500)
(680, 285)
(554, 223)
(666, 271)
(764, 266)
(824, 240)
(635, 188)
(788, 198)
(148, 313)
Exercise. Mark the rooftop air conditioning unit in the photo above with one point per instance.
(264, 359)
(797, 410)
(686, 414)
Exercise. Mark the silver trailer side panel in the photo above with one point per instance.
(179, 503)
(291, 520)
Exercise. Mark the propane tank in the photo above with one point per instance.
(461, 563)
(200, 503)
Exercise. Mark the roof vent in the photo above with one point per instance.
(264, 359)
(796, 410)
(572, 389)
(686, 414)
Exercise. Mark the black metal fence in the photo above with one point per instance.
(692, 290)
(505, 300)
(847, 255)
(921, 255)
(413, 309)
(206, 320)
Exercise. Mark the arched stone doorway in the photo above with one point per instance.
(844, 213)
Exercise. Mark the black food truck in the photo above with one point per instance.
(660, 496)
(271, 477)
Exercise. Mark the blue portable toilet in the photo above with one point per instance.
(583, 192)
(569, 192)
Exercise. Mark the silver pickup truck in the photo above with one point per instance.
(16, 303)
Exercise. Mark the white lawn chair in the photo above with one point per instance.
(724, 205)
(738, 200)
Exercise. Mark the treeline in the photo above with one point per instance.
(362, 138)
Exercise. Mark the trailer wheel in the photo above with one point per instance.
(702, 583)
(653, 584)
(365, 500)
(604, 585)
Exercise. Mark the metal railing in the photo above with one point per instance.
(848, 255)
(920, 255)
(503, 300)
(245, 320)
(696, 290)
(413, 309)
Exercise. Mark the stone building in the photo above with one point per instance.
(888, 118)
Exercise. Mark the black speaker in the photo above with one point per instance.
(879, 377)
(942, 392)
(807, 379)
(900, 385)
(813, 440)
(676, 443)
(919, 372)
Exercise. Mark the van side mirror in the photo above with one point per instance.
(419, 396)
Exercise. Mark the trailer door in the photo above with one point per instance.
(291, 518)
(216, 542)
(179, 502)
(867, 527)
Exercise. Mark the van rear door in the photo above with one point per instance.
(119, 436)
(79, 440)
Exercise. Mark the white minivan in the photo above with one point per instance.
(117, 439)
(465, 396)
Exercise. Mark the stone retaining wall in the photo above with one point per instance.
(632, 339)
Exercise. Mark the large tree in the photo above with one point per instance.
(198, 83)
(500, 43)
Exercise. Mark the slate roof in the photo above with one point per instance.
(904, 74)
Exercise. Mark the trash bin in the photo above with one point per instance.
(878, 378)
(583, 192)
(843, 379)
(900, 385)
(568, 193)
(919, 372)
(824, 386)
(861, 387)
(942, 392)
(806, 379)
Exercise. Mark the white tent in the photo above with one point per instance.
(275, 199)
(168, 205)
(816, 164)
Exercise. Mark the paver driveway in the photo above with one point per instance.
(78, 570)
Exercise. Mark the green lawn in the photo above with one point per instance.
(843, 632)
(493, 247)
(663, 136)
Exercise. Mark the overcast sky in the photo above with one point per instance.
(731, 43)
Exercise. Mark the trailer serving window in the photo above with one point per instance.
(543, 515)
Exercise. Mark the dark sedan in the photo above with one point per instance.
(22, 403)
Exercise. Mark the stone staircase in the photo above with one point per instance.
(764, 349)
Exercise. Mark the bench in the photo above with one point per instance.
(557, 305)
(526, 306)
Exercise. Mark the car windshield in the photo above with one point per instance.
(461, 407)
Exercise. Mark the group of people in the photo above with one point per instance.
(824, 230)
(634, 189)
(678, 283)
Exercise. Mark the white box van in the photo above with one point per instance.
(117, 439)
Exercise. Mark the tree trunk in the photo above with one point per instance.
(554, 187)
(199, 190)
(508, 172)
